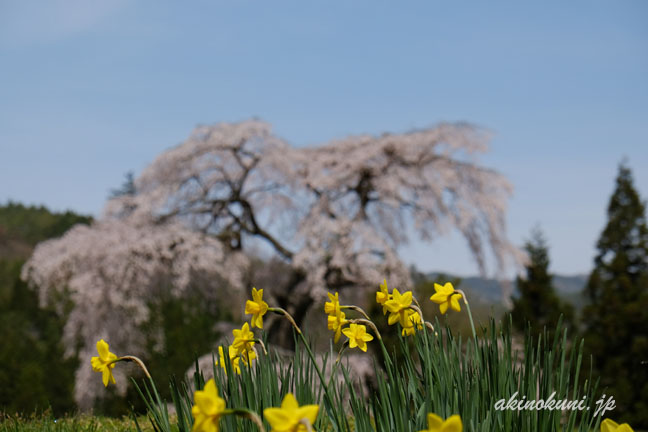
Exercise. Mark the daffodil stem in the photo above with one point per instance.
(137, 361)
(470, 317)
(327, 394)
(339, 357)
(306, 424)
(288, 317)
(335, 365)
(418, 305)
(429, 325)
(260, 342)
(357, 309)
(246, 414)
(472, 324)
(418, 310)
(378, 336)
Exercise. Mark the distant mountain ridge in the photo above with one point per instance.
(489, 291)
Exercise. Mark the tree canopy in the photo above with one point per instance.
(616, 321)
(538, 305)
(335, 215)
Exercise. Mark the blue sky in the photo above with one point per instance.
(91, 90)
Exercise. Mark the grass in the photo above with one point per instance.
(428, 372)
(77, 423)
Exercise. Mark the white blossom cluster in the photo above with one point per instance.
(111, 270)
(336, 213)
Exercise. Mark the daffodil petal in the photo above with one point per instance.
(454, 303)
(393, 318)
(211, 389)
(439, 298)
(107, 375)
(609, 425)
(406, 298)
(278, 418)
(452, 424)
(204, 402)
(362, 345)
(102, 349)
(308, 412)
(433, 420)
(199, 420)
(289, 402)
(443, 307)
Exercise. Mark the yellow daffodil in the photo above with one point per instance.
(243, 339)
(611, 426)
(288, 417)
(436, 424)
(415, 323)
(257, 307)
(248, 356)
(398, 307)
(446, 296)
(383, 296)
(335, 323)
(104, 363)
(358, 336)
(208, 408)
(233, 357)
(333, 306)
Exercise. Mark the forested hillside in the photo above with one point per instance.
(34, 375)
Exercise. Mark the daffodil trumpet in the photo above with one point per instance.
(369, 323)
(445, 297)
(418, 310)
(376, 332)
(106, 360)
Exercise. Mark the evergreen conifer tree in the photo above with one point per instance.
(538, 304)
(616, 321)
